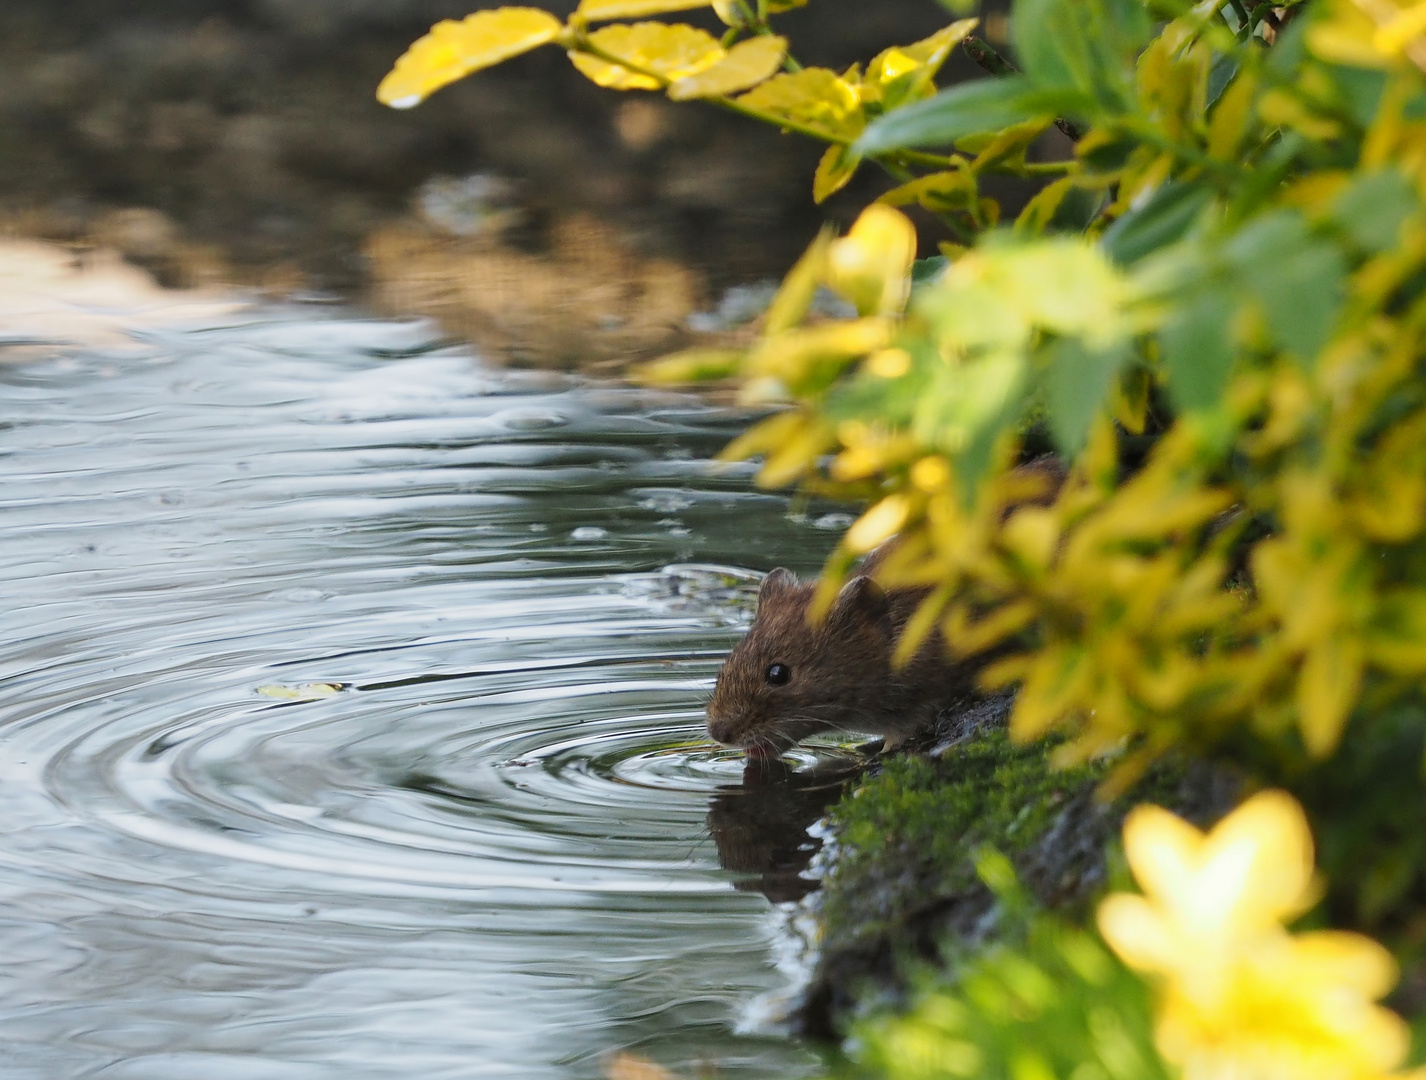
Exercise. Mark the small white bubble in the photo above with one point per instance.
(588, 532)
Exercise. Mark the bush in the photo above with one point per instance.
(1213, 311)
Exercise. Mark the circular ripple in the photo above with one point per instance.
(492, 843)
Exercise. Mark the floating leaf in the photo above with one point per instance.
(598, 10)
(746, 64)
(305, 692)
(982, 105)
(834, 171)
(815, 98)
(656, 54)
(452, 50)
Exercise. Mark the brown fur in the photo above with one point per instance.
(841, 672)
(842, 675)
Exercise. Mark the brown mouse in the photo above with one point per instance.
(787, 679)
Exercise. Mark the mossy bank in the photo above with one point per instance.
(898, 871)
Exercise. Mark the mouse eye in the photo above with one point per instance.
(778, 674)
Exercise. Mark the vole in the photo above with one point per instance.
(787, 679)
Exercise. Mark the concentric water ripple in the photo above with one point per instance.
(350, 717)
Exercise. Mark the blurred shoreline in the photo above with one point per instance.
(239, 142)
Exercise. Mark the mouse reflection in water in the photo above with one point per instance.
(760, 826)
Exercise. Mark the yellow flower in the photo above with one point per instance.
(1241, 998)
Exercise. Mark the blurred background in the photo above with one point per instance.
(239, 141)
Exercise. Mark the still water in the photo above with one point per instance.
(495, 843)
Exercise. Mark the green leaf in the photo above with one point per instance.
(1169, 213)
(925, 271)
(1043, 33)
(981, 105)
(1374, 207)
(1297, 276)
(1198, 349)
(1083, 45)
(1219, 76)
(1360, 89)
(1077, 383)
(834, 172)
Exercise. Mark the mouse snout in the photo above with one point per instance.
(723, 729)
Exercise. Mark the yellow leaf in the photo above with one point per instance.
(921, 625)
(1397, 639)
(746, 64)
(692, 365)
(1049, 692)
(305, 692)
(1130, 403)
(1280, 107)
(1327, 689)
(834, 171)
(816, 99)
(1395, 34)
(817, 352)
(1231, 117)
(1040, 210)
(452, 50)
(879, 523)
(1345, 36)
(797, 455)
(795, 294)
(904, 73)
(1008, 147)
(729, 12)
(656, 54)
(871, 265)
(597, 10)
(954, 189)
(762, 437)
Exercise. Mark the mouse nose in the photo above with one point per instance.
(722, 729)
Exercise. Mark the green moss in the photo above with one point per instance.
(908, 834)
(901, 883)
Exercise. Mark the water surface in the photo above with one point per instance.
(350, 718)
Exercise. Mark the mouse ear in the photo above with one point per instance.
(779, 581)
(863, 600)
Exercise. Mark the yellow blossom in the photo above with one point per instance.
(1240, 997)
